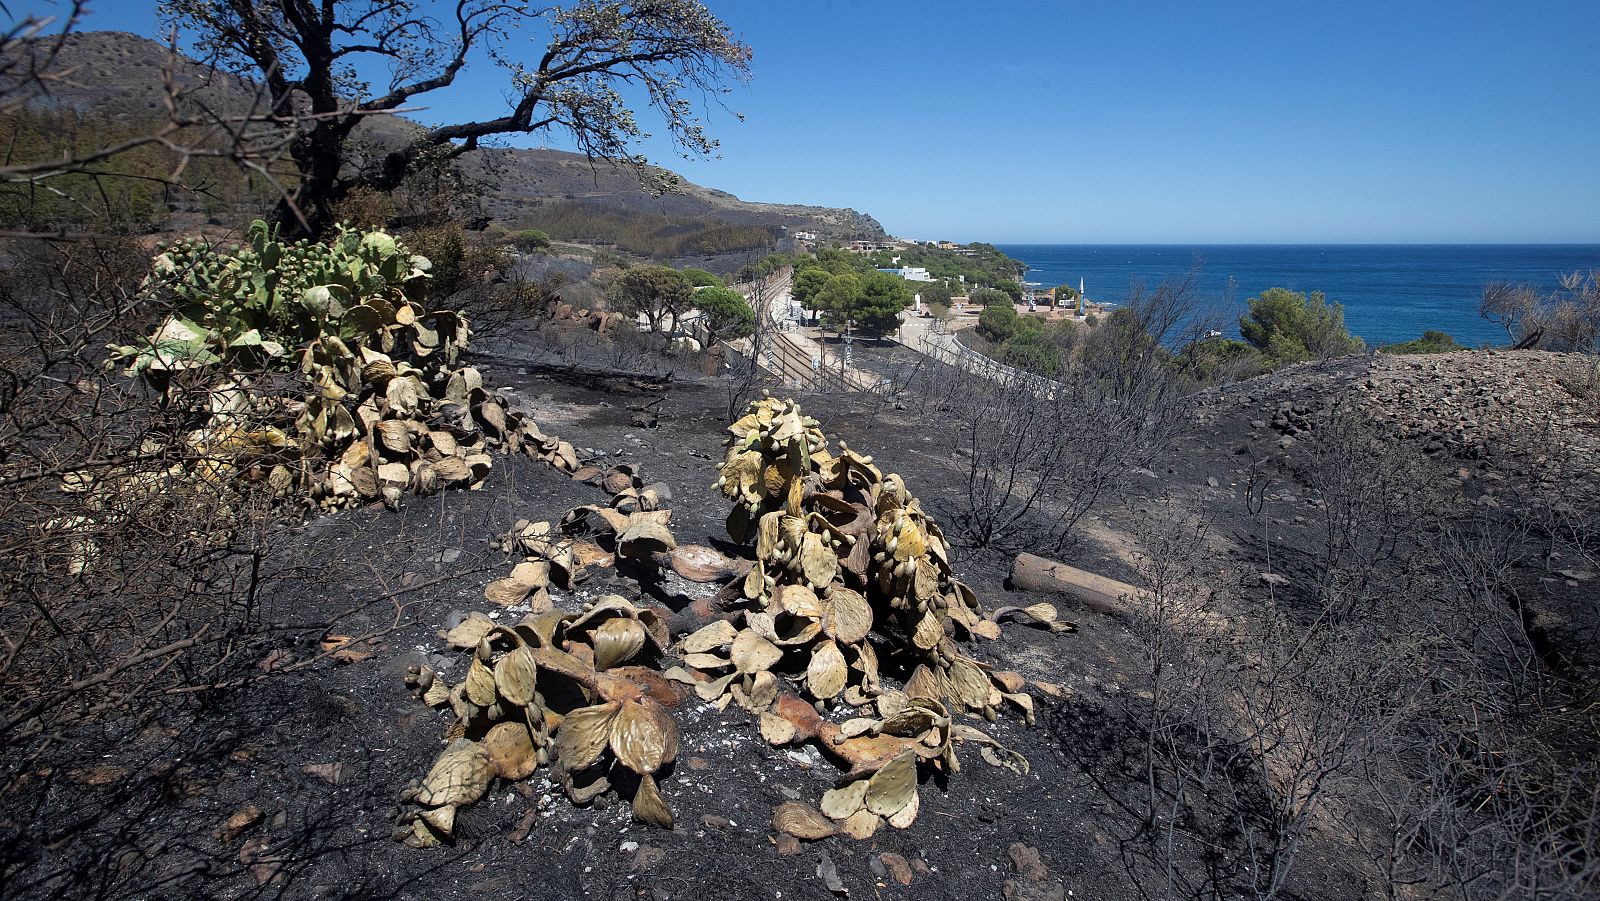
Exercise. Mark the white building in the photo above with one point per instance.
(911, 273)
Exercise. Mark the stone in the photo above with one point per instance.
(899, 870)
(1014, 890)
(242, 819)
(331, 773)
(1025, 862)
(648, 857)
(829, 874)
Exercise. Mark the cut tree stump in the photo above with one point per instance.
(1033, 573)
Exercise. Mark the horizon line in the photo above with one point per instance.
(1032, 243)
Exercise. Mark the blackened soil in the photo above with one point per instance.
(414, 571)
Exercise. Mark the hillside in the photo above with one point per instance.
(1353, 648)
(523, 181)
(122, 76)
(1069, 828)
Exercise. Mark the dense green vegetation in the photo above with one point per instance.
(125, 191)
(987, 266)
(846, 289)
(1288, 327)
(1218, 361)
(1027, 342)
(699, 278)
(869, 304)
(999, 323)
(990, 297)
(654, 235)
(658, 293)
(727, 314)
(1431, 342)
(665, 298)
(873, 300)
(1282, 327)
(531, 239)
(935, 294)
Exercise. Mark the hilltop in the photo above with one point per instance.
(123, 77)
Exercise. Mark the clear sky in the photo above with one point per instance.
(1156, 122)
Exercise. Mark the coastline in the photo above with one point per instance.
(1390, 292)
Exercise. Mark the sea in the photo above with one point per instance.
(1390, 292)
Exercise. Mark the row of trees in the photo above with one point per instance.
(666, 297)
(846, 289)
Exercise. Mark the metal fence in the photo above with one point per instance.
(968, 360)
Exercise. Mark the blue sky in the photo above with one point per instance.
(1156, 122)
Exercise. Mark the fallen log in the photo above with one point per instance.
(1034, 573)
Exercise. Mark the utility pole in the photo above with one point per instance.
(848, 338)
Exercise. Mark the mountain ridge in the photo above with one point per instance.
(123, 76)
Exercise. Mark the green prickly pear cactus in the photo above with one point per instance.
(350, 315)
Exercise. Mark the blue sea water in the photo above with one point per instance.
(1390, 292)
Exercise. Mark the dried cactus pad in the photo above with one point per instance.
(555, 688)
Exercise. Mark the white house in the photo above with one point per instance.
(910, 273)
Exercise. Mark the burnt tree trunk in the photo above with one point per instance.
(1032, 573)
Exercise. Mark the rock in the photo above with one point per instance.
(648, 857)
(829, 874)
(1025, 862)
(331, 773)
(242, 819)
(1033, 882)
(1211, 482)
(899, 870)
(1014, 890)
